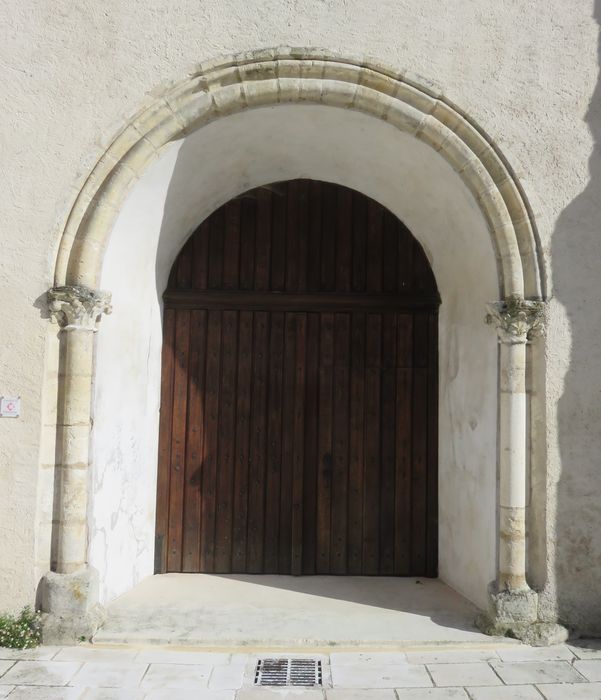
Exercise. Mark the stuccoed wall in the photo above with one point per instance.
(72, 74)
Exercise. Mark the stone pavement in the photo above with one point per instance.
(510, 672)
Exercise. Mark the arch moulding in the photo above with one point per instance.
(269, 78)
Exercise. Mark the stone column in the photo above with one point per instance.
(69, 593)
(513, 604)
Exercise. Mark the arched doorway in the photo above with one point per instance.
(298, 428)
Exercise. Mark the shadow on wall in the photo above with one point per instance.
(576, 256)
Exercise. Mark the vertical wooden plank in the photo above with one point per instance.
(292, 236)
(216, 248)
(298, 457)
(258, 438)
(184, 266)
(263, 239)
(419, 476)
(165, 433)
(278, 239)
(388, 444)
(344, 231)
(404, 258)
(422, 275)
(200, 256)
(403, 459)
(371, 504)
(248, 219)
(303, 233)
(287, 470)
(226, 435)
(419, 471)
(209, 469)
(325, 457)
(314, 238)
(328, 238)
(339, 542)
(356, 440)
(359, 223)
(374, 247)
(389, 253)
(243, 407)
(432, 468)
(402, 491)
(311, 451)
(194, 441)
(231, 245)
(178, 440)
(274, 444)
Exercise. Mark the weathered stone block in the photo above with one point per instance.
(70, 607)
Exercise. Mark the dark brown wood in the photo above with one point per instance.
(298, 428)
(298, 456)
(277, 301)
(178, 440)
(274, 443)
(211, 428)
(357, 443)
(224, 510)
(372, 441)
(258, 446)
(165, 437)
(325, 459)
(194, 442)
(311, 445)
(340, 444)
(242, 438)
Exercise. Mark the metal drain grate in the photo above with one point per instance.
(305, 672)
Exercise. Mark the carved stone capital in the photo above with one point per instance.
(517, 320)
(78, 307)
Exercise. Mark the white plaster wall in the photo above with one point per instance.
(196, 176)
(71, 75)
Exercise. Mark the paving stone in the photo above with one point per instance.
(475, 673)
(176, 676)
(432, 694)
(584, 648)
(166, 656)
(102, 674)
(377, 658)
(372, 676)
(119, 656)
(590, 668)
(227, 677)
(505, 692)
(36, 693)
(571, 691)
(46, 673)
(238, 658)
(37, 654)
(5, 664)
(167, 694)
(5, 690)
(281, 694)
(522, 672)
(112, 694)
(526, 653)
(340, 694)
(452, 656)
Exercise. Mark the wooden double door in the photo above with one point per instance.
(298, 429)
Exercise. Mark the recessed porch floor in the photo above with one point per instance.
(285, 611)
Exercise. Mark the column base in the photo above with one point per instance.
(515, 614)
(71, 612)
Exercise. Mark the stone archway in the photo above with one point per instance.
(294, 77)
